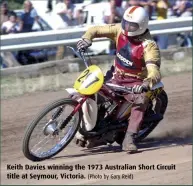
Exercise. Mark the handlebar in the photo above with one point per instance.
(123, 89)
(80, 54)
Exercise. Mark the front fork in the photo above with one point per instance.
(52, 127)
(77, 108)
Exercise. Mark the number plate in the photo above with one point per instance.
(90, 81)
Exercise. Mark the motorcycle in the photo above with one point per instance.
(95, 114)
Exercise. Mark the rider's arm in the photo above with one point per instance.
(152, 59)
(109, 31)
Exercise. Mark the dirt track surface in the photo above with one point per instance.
(170, 143)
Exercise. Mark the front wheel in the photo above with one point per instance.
(52, 130)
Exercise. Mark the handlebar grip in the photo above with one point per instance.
(82, 50)
(145, 89)
(130, 89)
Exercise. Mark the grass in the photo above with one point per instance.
(14, 86)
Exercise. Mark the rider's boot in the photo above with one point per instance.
(79, 140)
(129, 143)
(80, 143)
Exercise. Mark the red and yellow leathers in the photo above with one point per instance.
(137, 61)
(136, 56)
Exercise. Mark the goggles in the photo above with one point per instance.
(129, 26)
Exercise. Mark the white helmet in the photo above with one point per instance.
(135, 21)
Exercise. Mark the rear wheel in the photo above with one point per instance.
(160, 107)
(43, 138)
(161, 103)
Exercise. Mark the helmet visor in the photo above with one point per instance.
(129, 26)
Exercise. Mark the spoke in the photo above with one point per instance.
(57, 137)
(43, 144)
(47, 141)
(40, 142)
(36, 150)
(67, 135)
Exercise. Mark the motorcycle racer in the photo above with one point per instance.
(137, 63)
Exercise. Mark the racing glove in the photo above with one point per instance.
(138, 89)
(83, 44)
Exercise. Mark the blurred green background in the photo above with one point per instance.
(14, 4)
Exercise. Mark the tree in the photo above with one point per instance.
(14, 4)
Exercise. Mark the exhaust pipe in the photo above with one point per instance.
(119, 126)
(88, 134)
